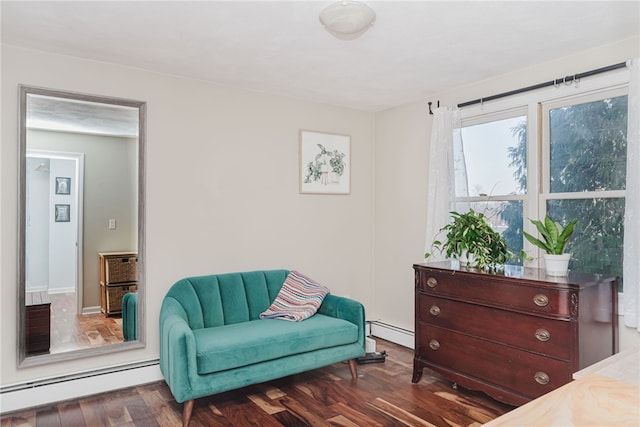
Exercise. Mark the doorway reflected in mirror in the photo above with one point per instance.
(81, 194)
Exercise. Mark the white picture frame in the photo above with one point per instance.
(325, 163)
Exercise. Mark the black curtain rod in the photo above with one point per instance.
(565, 80)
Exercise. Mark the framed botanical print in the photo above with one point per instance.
(325, 163)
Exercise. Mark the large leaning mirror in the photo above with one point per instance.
(81, 219)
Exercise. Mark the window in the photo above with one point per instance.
(565, 158)
(493, 154)
(585, 142)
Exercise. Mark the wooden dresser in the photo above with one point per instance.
(118, 276)
(38, 322)
(515, 335)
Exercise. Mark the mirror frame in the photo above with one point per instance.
(22, 359)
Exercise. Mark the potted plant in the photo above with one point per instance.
(319, 168)
(555, 238)
(471, 240)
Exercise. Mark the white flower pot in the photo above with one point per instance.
(556, 265)
(467, 258)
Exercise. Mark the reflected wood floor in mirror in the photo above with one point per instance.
(70, 331)
(383, 395)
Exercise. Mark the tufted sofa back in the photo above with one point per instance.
(223, 299)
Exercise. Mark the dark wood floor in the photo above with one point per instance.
(383, 395)
(70, 331)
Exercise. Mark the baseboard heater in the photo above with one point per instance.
(395, 334)
(64, 387)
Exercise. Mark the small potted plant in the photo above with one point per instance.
(471, 240)
(555, 238)
(325, 160)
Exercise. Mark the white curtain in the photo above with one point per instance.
(445, 134)
(631, 267)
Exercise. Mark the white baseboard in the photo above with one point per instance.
(42, 392)
(394, 334)
(91, 310)
(65, 290)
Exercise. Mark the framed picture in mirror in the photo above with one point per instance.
(62, 213)
(63, 185)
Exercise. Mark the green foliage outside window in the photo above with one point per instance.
(588, 154)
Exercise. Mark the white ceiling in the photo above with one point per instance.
(72, 115)
(415, 49)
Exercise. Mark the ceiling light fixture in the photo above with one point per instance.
(347, 19)
(42, 167)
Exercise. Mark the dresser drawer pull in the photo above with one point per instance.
(434, 310)
(432, 282)
(541, 300)
(434, 344)
(543, 335)
(541, 378)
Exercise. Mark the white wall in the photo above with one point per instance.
(222, 189)
(400, 206)
(50, 246)
(63, 235)
(37, 232)
(400, 169)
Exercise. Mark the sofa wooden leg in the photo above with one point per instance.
(353, 367)
(186, 412)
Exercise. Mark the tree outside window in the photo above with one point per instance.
(583, 166)
(587, 173)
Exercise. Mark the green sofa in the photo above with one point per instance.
(130, 316)
(213, 340)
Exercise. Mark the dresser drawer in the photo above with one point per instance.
(496, 291)
(527, 373)
(542, 335)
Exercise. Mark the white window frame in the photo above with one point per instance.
(614, 83)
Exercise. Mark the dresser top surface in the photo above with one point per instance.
(524, 273)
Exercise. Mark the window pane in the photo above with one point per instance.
(589, 146)
(597, 241)
(495, 157)
(505, 217)
(511, 218)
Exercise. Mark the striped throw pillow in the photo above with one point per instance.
(298, 299)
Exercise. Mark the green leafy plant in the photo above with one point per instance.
(314, 169)
(555, 237)
(337, 162)
(470, 235)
